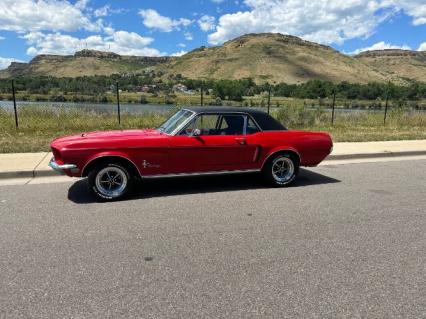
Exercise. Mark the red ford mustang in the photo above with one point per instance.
(194, 141)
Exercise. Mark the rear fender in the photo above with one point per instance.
(282, 149)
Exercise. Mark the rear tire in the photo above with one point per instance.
(110, 182)
(281, 170)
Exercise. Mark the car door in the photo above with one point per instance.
(221, 145)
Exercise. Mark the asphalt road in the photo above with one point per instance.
(345, 241)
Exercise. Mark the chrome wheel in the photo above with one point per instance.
(111, 181)
(283, 170)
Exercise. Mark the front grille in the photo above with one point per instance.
(56, 154)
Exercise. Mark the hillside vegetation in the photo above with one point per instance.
(273, 58)
(398, 63)
(83, 63)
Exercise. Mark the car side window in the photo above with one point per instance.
(251, 126)
(216, 124)
(232, 125)
(206, 123)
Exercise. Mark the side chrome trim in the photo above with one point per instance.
(256, 154)
(58, 167)
(201, 174)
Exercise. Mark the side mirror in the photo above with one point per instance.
(196, 132)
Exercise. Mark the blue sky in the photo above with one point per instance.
(171, 27)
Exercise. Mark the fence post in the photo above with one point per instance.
(269, 97)
(14, 105)
(202, 93)
(118, 103)
(332, 110)
(386, 107)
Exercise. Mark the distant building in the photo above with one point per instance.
(180, 88)
(146, 88)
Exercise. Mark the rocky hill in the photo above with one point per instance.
(398, 63)
(85, 62)
(264, 57)
(273, 58)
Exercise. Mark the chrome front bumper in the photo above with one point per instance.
(62, 167)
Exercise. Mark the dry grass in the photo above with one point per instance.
(357, 126)
(38, 125)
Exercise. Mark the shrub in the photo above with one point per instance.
(298, 116)
(143, 100)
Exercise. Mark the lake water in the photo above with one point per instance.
(96, 107)
(142, 108)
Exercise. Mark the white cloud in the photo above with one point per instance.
(218, 1)
(207, 23)
(2, 38)
(414, 8)
(102, 11)
(54, 15)
(153, 20)
(381, 46)
(324, 21)
(181, 45)
(121, 42)
(5, 62)
(109, 30)
(180, 53)
(106, 10)
(81, 4)
(188, 36)
(422, 47)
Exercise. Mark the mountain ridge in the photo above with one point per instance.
(271, 57)
(406, 64)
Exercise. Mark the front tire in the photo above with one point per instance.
(110, 182)
(281, 170)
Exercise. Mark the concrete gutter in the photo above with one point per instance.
(31, 165)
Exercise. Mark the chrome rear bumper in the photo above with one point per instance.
(58, 167)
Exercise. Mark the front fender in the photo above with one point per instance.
(101, 155)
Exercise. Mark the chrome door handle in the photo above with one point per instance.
(241, 140)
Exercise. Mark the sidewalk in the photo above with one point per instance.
(26, 165)
(377, 149)
(36, 164)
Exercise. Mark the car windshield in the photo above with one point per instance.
(175, 121)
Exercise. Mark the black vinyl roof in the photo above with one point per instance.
(265, 121)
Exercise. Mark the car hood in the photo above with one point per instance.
(105, 138)
(122, 133)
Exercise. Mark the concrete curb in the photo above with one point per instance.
(373, 155)
(48, 172)
(41, 169)
(29, 174)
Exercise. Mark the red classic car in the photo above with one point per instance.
(194, 141)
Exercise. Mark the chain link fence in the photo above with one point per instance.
(140, 109)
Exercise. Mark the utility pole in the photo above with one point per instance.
(334, 105)
(202, 93)
(118, 103)
(269, 97)
(14, 104)
(386, 104)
